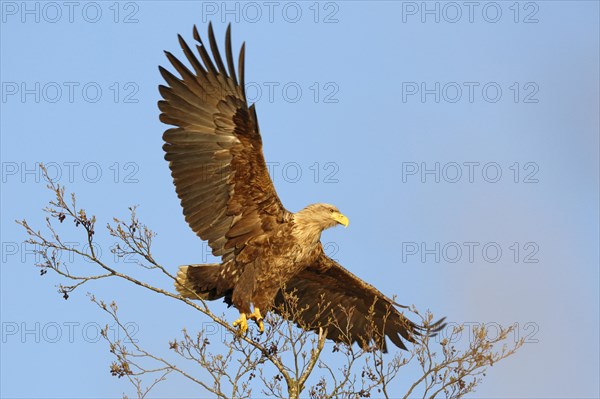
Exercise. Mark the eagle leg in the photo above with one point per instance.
(257, 317)
(242, 323)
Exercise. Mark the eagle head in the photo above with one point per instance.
(322, 216)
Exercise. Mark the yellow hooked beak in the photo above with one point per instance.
(341, 219)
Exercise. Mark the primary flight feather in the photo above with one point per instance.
(220, 175)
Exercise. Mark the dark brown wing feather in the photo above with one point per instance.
(352, 310)
(215, 149)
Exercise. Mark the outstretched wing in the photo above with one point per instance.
(215, 149)
(352, 310)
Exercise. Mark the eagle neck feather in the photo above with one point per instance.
(306, 228)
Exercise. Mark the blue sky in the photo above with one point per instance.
(460, 140)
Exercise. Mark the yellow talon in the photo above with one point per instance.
(242, 323)
(261, 326)
(257, 317)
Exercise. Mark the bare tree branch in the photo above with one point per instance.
(283, 359)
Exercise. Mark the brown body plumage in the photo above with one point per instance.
(220, 175)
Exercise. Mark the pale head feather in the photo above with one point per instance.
(315, 218)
